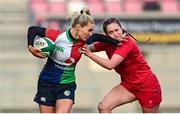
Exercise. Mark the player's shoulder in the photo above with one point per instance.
(54, 31)
(130, 40)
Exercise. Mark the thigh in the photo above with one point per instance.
(117, 96)
(64, 105)
(46, 109)
(65, 97)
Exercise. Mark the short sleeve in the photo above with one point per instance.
(124, 49)
(53, 34)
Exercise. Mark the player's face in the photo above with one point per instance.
(85, 32)
(114, 30)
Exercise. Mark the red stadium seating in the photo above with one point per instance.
(57, 8)
(94, 1)
(113, 7)
(39, 8)
(178, 6)
(133, 6)
(169, 6)
(96, 7)
(37, 1)
(102, 7)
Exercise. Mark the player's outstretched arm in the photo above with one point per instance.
(107, 39)
(103, 38)
(106, 63)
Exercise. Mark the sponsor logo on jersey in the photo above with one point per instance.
(59, 48)
(64, 68)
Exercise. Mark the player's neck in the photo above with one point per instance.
(74, 33)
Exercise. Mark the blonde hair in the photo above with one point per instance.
(82, 17)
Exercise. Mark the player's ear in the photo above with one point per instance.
(78, 26)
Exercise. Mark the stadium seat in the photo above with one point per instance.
(57, 8)
(39, 8)
(151, 5)
(132, 1)
(133, 6)
(37, 1)
(113, 7)
(96, 7)
(94, 1)
(169, 6)
(57, 0)
(178, 5)
(168, 0)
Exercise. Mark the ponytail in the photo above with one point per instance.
(82, 18)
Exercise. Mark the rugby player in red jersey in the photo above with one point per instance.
(138, 82)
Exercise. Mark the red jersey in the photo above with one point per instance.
(134, 70)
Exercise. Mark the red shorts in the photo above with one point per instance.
(148, 96)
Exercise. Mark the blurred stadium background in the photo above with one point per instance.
(158, 20)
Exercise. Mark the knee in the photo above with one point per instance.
(103, 107)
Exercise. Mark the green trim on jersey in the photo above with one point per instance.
(69, 36)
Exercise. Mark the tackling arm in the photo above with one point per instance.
(103, 38)
(106, 63)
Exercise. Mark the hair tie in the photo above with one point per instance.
(82, 12)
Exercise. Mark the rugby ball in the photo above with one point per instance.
(45, 45)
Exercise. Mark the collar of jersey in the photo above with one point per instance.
(70, 37)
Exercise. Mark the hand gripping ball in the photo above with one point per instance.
(45, 45)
